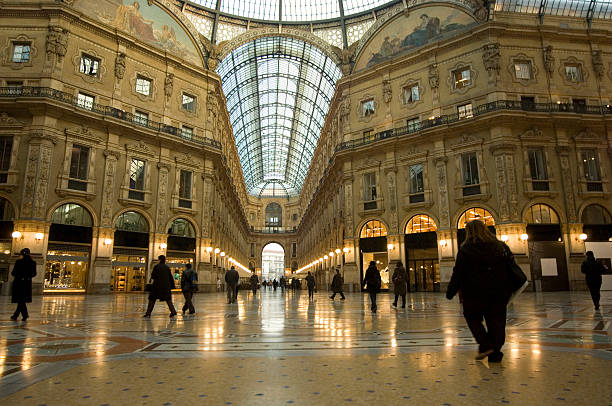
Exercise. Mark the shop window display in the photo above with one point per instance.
(66, 270)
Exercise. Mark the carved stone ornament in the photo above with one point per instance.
(57, 42)
(490, 58)
(434, 76)
(387, 92)
(598, 65)
(84, 134)
(8, 121)
(549, 59)
(169, 85)
(120, 66)
(212, 106)
(345, 109)
(345, 55)
(139, 148)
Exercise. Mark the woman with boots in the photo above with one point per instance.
(399, 278)
(23, 271)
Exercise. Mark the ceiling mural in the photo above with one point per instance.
(411, 30)
(146, 21)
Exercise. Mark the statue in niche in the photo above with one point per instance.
(387, 92)
(598, 65)
(57, 42)
(120, 66)
(549, 59)
(490, 58)
(169, 85)
(434, 76)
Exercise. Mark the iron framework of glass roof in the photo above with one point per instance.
(278, 92)
(588, 9)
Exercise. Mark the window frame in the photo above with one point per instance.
(465, 111)
(6, 154)
(140, 79)
(527, 63)
(84, 102)
(458, 80)
(133, 192)
(193, 102)
(141, 118)
(579, 74)
(95, 62)
(21, 44)
(411, 88)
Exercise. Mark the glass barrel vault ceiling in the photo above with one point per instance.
(292, 10)
(278, 92)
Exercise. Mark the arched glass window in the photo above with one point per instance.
(7, 213)
(421, 223)
(373, 228)
(182, 228)
(596, 214)
(475, 213)
(541, 214)
(274, 215)
(133, 222)
(72, 214)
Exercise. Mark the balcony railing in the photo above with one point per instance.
(500, 105)
(58, 95)
(274, 230)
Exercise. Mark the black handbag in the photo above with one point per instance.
(149, 287)
(517, 276)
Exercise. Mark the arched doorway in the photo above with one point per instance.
(69, 249)
(7, 215)
(422, 262)
(181, 248)
(274, 217)
(272, 262)
(373, 247)
(474, 213)
(597, 225)
(130, 252)
(546, 248)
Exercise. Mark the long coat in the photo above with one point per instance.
(163, 282)
(593, 271)
(337, 283)
(23, 271)
(399, 278)
(372, 279)
(310, 281)
(254, 282)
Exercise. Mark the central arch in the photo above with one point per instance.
(272, 262)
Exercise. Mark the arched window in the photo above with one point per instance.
(7, 213)
(596, 214)
(421, 223)
(373, 228)
(274, 215)
(475, 213)
(182, 228)
(133, 222)
(541, 214)
(72, 214)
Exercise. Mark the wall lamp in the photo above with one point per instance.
(325, 257)
(217, 250)
(345, 250)
(39, 236)
(443, 243)
(338, 250)
(163, 245)
(209, 249)
(331, 253)
(504, 238)
(524, 237)
(107, 241)
(222, 253)
(583, 237)
(17, 234)
(389, 246)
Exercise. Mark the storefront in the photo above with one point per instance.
(422, 263)
(69, 249)
(373, 247)
(546, 249)
(7, 215)
(181, 248)
(130, 253)
(474, 213)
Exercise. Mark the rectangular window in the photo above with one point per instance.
(537, 167)
(411, 94)
(85, 101)
(143, 85)
(189, 102)
(471, 180)
(462, 77)
(368, 134)
(295, 216)
(142, 118)
(417, 188)
(89, 65)
(187, 132)
(185, 189)
(528, 103)
(465, 111)
(573, 72)
(522, 70)
(137, 179)
(369, 188)
(21, 53)
(6, 147)
(79, 162)
(592, 174)
(413, 124)
(367, 108)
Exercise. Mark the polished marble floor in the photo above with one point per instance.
(278, 349)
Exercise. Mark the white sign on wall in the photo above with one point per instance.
(549, 266)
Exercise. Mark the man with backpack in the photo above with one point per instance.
(189, 285)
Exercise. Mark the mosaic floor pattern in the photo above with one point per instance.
(278, 348)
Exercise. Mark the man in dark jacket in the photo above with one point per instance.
(400, 279)
(254, 283)
(23, 271)
(162, 283)
(232, 278)
(373, 282)
(189, 280)
(310, 284)
(336, 285)
(593, 270)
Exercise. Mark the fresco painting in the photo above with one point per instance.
(149, 23)
(408, 32)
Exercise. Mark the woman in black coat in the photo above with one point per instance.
(23, 271)
(161, 288)
(481, 276)
(373, 282)
(593, 271)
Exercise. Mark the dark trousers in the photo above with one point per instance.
(373, 300)
(310, 292)
(152, 305)
(403, 300)
(188, 295)
(341, 295)
(494, 336)
(232, 293)
(595, 294)
(21, 309)
(254, 291)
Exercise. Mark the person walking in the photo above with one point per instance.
(162, 283)
(310, 284)
(399, 278)
(189, 280)
(274, 284)
(23, 271)
(373, 281)
(337, 284)
(254, 282)
(593, 269)
(232, 278)
(481, 275)
(218, 284)
(282, 283)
